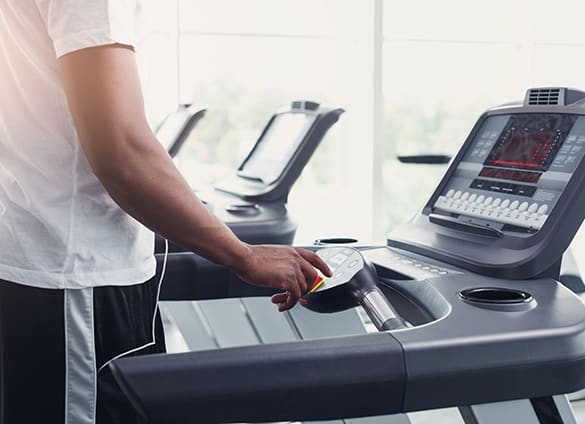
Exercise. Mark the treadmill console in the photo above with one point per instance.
(272, 152)
(281, 152)
(514, 170)
(516, 181)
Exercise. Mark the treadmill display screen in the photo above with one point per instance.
(530, 141)
(510, 174)
(274, 150)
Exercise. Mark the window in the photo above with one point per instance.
(412, 76)
(245, 64)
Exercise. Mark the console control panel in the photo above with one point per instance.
(413, 266)
(514, 170)
(343, 262)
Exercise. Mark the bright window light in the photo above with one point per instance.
(412, 80)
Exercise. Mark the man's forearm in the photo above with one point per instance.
(144, 181)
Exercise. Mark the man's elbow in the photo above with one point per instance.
(113, 160)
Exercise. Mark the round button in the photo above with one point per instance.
(523, 206)
(457, 194)
(480, 199)
(472, 197)
(533, 208)
(496, 202)
(465, 196)
(450, 193)
(514, 204)
(505, 204)
(543, 209)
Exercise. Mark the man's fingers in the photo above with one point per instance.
(278, 298)
(309, 275)
(290, 302)
(316, 261)
(293, 295)
(284, 300)
(295, 290)
(303, 281)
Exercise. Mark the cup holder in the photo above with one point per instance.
(496, 296)
(335, 241)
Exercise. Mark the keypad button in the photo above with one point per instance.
(464, 196)
(352, 263)
(338, 259)
(457, 194)
(523, 206)
(505, 204)
(480, 199)
(514, 204)
(533, 208)
(543, 209)
(472, 197)
(496, 202)
(450, 193)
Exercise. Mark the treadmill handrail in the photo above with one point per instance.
(277, 382)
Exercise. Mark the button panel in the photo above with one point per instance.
(522, 214)
(410, 266)
(344, 262)
(503, 187)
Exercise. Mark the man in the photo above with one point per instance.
(82, 177)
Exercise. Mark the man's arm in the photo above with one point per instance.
(105, 99)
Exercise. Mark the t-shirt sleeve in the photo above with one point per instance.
(79, 24)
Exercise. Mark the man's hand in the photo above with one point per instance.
(287, 268)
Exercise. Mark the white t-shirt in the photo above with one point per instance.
(59, 228)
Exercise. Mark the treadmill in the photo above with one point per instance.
(490, 330)
(252, 201)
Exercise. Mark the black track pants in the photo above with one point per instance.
(55, 346)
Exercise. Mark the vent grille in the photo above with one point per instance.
(544, 96)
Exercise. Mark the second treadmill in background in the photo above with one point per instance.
(252, 202)
(177, 126)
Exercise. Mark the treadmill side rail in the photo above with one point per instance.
(318, 380)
